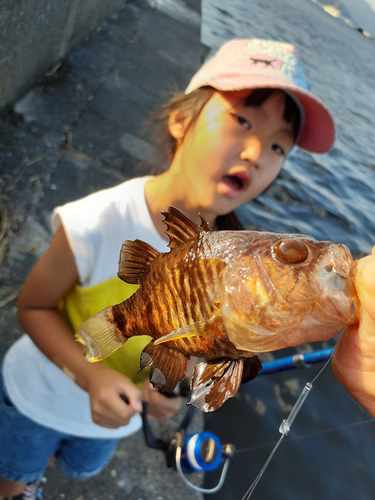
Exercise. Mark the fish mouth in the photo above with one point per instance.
(342, 263)
(233, 184)
(337, 281)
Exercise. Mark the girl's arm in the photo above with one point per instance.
(353, 359)
(49, 281)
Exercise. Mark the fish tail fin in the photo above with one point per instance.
(99, 336)
(167, 366)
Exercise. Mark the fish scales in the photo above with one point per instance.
(174, 293)
(178, 285)
(191, 288)
(172, 298)
(223, 296)
(191, 295)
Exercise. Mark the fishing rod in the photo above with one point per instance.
(187, 453)
(203, 451)
(300, 360)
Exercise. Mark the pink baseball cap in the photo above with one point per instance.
(253, 63)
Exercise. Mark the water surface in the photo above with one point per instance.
(330, 451)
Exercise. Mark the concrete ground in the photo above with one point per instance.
(77, 131)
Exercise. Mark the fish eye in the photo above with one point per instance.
(291, 251)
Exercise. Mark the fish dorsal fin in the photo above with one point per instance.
(205, 225)
(180, 227)
(135, 258)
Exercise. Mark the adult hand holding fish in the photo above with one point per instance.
(353, 360)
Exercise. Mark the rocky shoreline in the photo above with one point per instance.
(78, 130)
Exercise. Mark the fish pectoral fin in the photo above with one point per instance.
(135, 259)
(167, 366)
(98, 336)
(180, 227)
(214, 382)
(251, 367)
(193, 330)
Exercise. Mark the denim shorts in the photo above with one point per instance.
(26, 446)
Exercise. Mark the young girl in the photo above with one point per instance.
(229, 133)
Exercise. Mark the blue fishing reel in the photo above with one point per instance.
(202, 452)
(188, 453)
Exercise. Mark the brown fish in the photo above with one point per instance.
(223, 296)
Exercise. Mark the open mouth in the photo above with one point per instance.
(234, 184)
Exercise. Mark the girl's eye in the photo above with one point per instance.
(243, 122)
(278, 149)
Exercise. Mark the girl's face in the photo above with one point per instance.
(233, 152)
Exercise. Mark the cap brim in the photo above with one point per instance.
(318, 130)
(318, 133)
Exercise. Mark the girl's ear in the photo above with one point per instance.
(178, 125)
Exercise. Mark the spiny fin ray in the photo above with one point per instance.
(193, 330)
(180, 227)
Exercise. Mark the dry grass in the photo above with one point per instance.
(6, 234)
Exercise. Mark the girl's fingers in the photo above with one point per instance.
(159, 406)
(147, 388)
(107, 407)
(113, 412)
(130, 395)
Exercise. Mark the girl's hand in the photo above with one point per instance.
(353, 361)
(159, 406)
(105, 388)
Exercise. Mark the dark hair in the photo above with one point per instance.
(229, 222)
(291, 112)
(189, 106)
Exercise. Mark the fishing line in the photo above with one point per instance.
(304, 436)
(284, 428)
(324, 367)
(257, 479)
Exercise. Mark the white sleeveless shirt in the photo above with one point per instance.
(95, 227)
